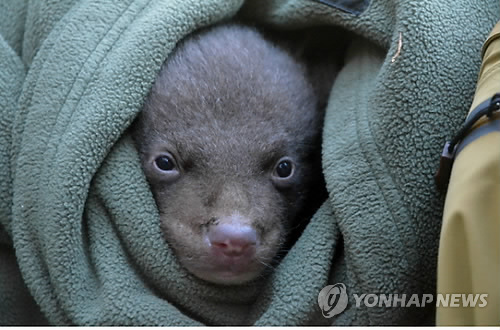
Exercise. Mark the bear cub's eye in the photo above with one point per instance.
(284, 168)
(165, 163)
(283, 173)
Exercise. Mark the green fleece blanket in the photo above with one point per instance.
(80, 241)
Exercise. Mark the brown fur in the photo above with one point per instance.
(228, 105)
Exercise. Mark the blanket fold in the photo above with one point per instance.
(78, 212)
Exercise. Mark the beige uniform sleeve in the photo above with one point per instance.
(469, 253)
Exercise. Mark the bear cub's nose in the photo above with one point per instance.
(233, 240)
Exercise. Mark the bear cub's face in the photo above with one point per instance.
(228, 140)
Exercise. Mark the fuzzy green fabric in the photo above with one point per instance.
(77, 210)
